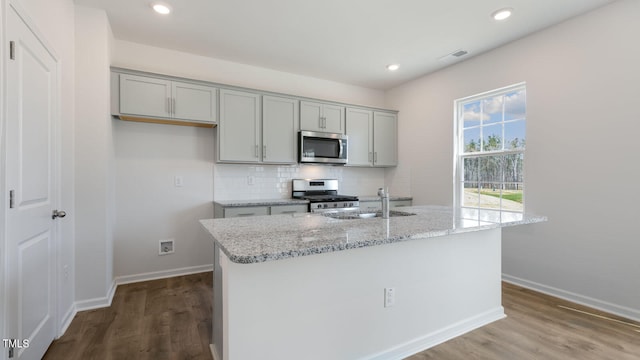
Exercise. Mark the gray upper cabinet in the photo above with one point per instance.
(359, 125)
(385, 139)
(146, 96)
(279, 129)
(322, 117)
(239, 126)
(372, 138)
(249, 135)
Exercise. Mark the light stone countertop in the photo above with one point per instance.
(257, 239)
(377, 198)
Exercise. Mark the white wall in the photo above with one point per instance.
(55, 20)
(148, 157)
(94, 154)
(581, 164)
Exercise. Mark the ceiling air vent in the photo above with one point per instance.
(453, 56)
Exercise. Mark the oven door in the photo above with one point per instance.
(323, 148)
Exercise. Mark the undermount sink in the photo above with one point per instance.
(353, 215)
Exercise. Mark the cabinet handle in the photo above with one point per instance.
(264, 151)
(324, 122)
(256, 150)
(370, 156)
(375, 157)
(173, 106)
(320, 122)
(289, 212)
(168, 106)
(246, 214)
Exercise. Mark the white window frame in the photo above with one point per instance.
(459, 156)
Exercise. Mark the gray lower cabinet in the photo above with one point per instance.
(372, 138)
(146, 96)
(377, 205)
(221, 211)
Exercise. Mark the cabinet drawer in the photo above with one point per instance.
(370, 205)
(246, 211)
(289, 209)
(399, 203)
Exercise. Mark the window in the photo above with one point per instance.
(489, 150)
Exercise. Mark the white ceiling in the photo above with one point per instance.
(349, 41)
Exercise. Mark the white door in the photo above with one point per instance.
(32, 95)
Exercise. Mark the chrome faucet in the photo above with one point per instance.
(384, 198)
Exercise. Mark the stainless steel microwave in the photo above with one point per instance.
(323, 148)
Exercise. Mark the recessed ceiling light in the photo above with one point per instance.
(161, 8)
(393, 67)
(502, 14)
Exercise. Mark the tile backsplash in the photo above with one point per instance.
(247, 182)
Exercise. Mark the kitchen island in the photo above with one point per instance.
(311, 286)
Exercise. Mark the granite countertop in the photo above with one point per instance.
(257, 239)
(261, 202)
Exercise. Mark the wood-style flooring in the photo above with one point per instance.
(171, 319)
(162, 319)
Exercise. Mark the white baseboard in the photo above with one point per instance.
(66, 319)
(626, 312)
(97, 303)
(438, 337)
(214, 353)
(128, 279)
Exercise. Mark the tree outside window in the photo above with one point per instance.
(490, 147)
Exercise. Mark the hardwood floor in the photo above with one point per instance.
(543, 327)
(171, 319)
(158, 319)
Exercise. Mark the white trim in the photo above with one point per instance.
(66, 319)
(626, 312)
(127, 279)
(97, 303)
(214, 353)
(438, 337)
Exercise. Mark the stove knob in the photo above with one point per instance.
(325, 206)
(350, 204)
(335, 205)
(319, 206)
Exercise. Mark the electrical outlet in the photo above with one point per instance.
(166, 247)
(389, 297)
(65, 272)
(178, 181)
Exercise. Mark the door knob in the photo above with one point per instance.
(59, 214)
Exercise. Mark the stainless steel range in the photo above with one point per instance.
(323, 195)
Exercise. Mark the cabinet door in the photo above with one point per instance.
(194, 102)
(385, 143)
(359, 129)
(145, 96)
(311, 116)
(239, 126)
(279, 129)
(333, 118)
